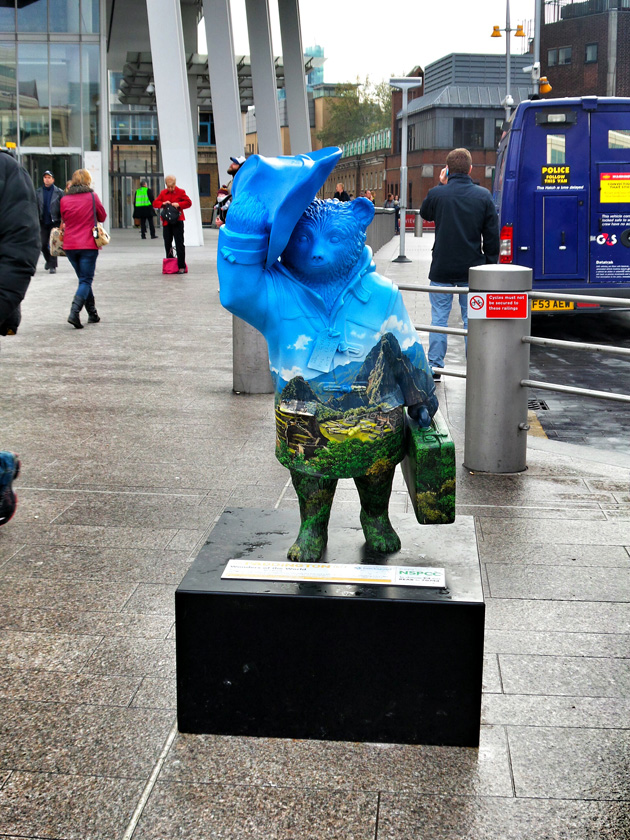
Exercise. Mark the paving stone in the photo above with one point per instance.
(108, 624)
(82, 739)
(570, 675)
(56, 687)
(66, 807)
(343, 766)
(487, 818)
(544, 710)
(127, 656)
(572, 583)
(597, 758)
(40, 650)
(245, 813)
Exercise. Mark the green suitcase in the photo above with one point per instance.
(429, 470)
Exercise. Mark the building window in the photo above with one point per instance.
(204, 184)
(590, 56)
(468, 132)
(552, 58)
(564, 55)
(206, 129)
(498, 131)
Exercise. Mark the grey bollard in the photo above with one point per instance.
(417, 231)
(497, 361)
(250, 360)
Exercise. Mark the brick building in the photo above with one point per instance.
(460, 105)
(585, 47)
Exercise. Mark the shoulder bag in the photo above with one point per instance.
(55, 243)
(101, 237)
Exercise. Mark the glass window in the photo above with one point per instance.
(552, 58)
(590, 56)
(564, 55)
(8, 95)
(63, 15)
(7, 16)
(204, 184)
(468, 132)
(91, 95)
(33, 94)
(498, 131)
(619, 138)
(89, 16)
(33, 17)
(65, 94)
(556, 148)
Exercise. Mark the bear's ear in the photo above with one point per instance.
(363, 211)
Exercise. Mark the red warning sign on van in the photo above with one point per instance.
(497, 305)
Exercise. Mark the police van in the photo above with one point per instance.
(562, 192)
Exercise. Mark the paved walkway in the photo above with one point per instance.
(132, 444)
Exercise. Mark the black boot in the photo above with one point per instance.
(73, 317)
(90, 308)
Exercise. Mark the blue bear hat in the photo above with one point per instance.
(286, 185)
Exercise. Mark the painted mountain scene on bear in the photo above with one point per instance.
(355, 429)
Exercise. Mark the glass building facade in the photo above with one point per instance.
(50, 67)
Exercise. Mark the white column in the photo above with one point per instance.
(177, 143)
(263, 78)
(294, 76)
(226, 105)
(250, 365)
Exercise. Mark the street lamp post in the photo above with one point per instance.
(518, 33)
(404, 84)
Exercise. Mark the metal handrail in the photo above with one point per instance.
(539, 342)
(575, 345)
(568, 389)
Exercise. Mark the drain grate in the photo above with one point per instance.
(537, 405)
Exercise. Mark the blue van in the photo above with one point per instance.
(562, 192)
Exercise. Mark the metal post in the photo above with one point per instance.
(417, 230)
(507, 60)
(497, 361)
(403, 180)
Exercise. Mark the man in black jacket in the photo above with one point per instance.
(466, 234)
(48, 203)
(19, 251)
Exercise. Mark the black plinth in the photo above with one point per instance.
(331, 661)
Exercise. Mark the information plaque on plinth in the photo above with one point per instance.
(368, 660)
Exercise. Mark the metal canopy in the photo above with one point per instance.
(138, 75)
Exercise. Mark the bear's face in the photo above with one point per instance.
(328, 240)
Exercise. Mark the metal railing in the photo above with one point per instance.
(509, 373)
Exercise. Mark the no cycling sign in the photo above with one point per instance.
(497, 305)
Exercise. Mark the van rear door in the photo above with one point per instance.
(610, 192)
(557, 173)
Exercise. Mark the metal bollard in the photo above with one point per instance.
(497, 361)
(417, 231)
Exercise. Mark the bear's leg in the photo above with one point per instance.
(374, 492)
(315, 496)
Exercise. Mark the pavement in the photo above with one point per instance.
(132, 444)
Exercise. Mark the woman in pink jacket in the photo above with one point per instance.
(78, 206)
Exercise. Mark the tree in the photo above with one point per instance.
(358, 109)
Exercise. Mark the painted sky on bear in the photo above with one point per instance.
(357, 43)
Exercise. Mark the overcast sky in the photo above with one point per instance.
(358, 41)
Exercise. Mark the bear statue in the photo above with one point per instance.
(343, 352)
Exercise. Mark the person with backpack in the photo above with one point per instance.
(171, 203)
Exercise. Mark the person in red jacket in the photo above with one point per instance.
(78, 207)
(176, 197)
